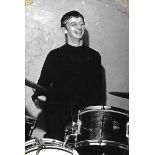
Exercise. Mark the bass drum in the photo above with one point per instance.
(47, 146)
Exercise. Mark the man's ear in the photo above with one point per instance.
(64, 30)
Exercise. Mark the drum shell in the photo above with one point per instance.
(103, 125)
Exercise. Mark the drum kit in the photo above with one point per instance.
(98, 130)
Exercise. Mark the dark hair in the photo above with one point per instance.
(69, 15)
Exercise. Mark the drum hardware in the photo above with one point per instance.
(30, 125)
(127, 130)
(78, 131)
(66, 140)
(78, 128)
(116, 125)
(40, 145)
(71, 132)
(79, 123)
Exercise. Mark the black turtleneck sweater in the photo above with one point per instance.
(72, 74)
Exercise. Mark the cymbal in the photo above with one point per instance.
(35, 86)
(120, 94)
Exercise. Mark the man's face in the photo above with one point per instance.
(75, 28)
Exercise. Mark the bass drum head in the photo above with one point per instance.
(48, 147)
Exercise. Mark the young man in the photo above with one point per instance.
(72, 76)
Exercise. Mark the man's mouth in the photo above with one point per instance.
(78, 32)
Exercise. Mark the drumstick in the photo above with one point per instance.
(35, 86)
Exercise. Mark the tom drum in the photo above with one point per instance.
(103, 126)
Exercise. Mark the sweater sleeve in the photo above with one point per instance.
(45, 77)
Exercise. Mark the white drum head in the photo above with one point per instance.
(50, 147)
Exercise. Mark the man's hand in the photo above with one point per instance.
(39, 101)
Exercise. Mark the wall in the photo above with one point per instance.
(107, 24)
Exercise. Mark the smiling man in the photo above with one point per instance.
(73, 28)
(72, 76)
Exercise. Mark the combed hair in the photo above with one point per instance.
(69, 15)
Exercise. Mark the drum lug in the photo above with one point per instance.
(40, 145)
(100, 141)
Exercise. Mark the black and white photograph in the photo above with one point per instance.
(77, 77)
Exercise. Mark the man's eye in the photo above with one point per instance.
(73, 24)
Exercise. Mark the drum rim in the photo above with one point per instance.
(101, 143)
(33, 146)
(45, 140)
(104, 108)
(105, 111)
(49, 147)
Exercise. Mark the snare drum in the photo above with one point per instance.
(47, 146)
(29, 127)
(103, 126)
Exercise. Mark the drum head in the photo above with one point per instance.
(48, 147)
